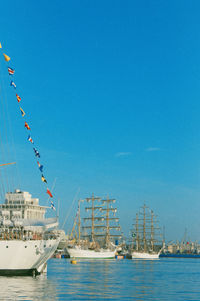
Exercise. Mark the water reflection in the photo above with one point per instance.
(108, 280)
(143, 278)
(27, 288)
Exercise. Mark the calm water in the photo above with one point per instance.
(164, 279)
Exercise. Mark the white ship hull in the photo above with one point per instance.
(18, 257)
(144, 255)
(91, 254)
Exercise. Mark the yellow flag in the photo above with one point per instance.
(0, 45)
(7, 58)
(22, 112)
(43, 179)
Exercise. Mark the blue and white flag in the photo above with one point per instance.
(13, 84)
(36, 152)
(52, 206)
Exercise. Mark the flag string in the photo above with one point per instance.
(11, 73)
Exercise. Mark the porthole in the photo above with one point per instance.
(6, 246)
(25, 247)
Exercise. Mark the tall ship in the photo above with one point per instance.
(27, 238)
(97, 236)
(146, 239)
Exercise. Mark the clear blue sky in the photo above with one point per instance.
(112, 90)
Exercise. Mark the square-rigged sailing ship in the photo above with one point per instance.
(94, 239)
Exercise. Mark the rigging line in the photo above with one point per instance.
(9, 133)
(2, 146)
(3, 188)
(75, 197)
(3, 182)
(17, 172)
(3, 123)
(5, 116)
(58, 211)
(52, 188)
(36, 158)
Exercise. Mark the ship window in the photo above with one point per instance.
(25, 246)
(6, 246)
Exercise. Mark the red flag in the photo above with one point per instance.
(18, 98)
(27, 126)
(49, 193)
(11, 71)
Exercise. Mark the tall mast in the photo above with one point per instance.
(93, 218)
(152, 230)
(92, 232)
(79, 221)
(144, 228)
(137, 233)
(109, 209)
(101, 222)
(107, 223)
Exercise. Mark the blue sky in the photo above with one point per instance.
(111, 90)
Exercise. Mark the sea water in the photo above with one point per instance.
(163, 279)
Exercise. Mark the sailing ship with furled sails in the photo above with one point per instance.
(27, 238)
(146, 243)
(95, 239)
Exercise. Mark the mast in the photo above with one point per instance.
(144, 228)
(92, 218)
(79, 221)
(92, 232)
(152, 230)
(107, 223)
(109, 209)
(77, 224)
(137, 233)
(101, 224)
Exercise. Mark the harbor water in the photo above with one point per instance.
(163, 279)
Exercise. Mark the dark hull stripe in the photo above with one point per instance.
(30, 272)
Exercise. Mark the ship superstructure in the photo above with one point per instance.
(27, 238)
(22, 204)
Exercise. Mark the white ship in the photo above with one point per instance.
(95, 244)
(145, 255)
(80, 252)
(27, 239)
(145, 244)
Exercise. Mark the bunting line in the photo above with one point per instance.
(11, 72)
